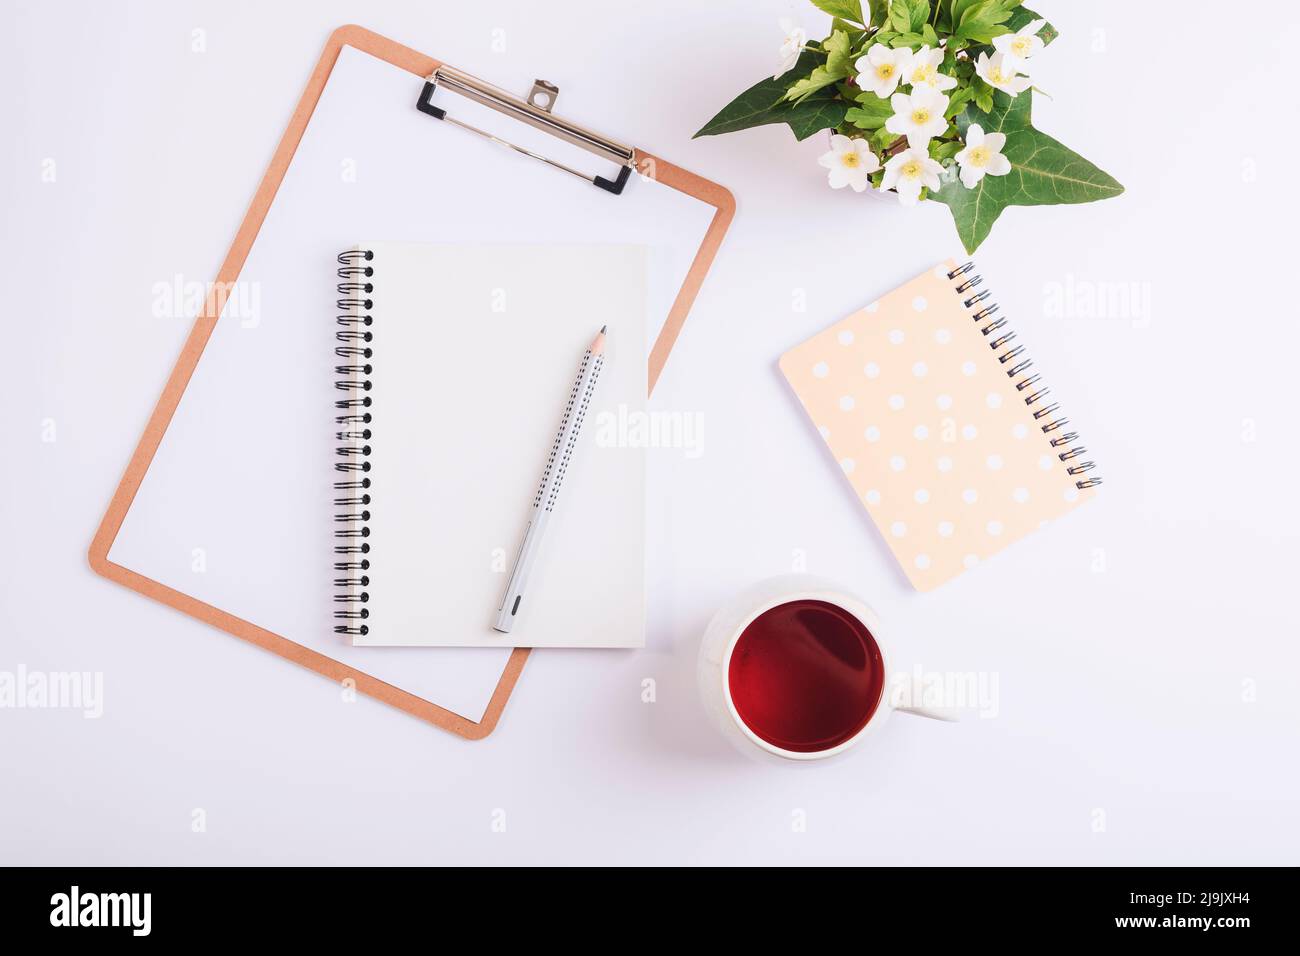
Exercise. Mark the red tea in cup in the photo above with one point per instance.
(806, 676)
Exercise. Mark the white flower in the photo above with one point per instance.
(999, 72)
(851, 163)
(881, 70)
(796, 38)
(923, 70)
(1022, 44)
(918, 115)
(982, 155)
(908, 172)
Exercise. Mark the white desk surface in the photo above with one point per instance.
(1145, 648)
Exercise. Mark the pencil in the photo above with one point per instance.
(548, 491)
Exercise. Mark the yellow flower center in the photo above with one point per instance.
(850, 160)
(911, 169)
(923, 74)
(1020, 46)
(996, 75)
(978, 156)
(885, 71)
(920, 116)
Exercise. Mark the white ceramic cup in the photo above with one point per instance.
(736, 615)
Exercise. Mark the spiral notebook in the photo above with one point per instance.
(456, 361)
(943, 426)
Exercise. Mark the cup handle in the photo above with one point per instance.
(907, 696)
(934, 713)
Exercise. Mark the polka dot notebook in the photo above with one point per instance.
(941, 424)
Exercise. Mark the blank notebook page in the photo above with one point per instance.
(930, 429)
(475, 351)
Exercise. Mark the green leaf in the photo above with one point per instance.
(1043, 172)
(958, 100)
(981, 21)
(959, 7)
(993, 11)
(833, 70)
(942, 19)
(944, 149)
(900, 15)
(920, 14)
(765, 103)
(850, 10)
(983, 96)
(909, 16)
(855, 32)
(871, 112)
(818, 112)
(882, 139)
(821, 77)
(837, 51)
(1021, 16)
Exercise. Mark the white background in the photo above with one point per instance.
(1145, 647)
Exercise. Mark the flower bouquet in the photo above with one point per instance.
(929, 99)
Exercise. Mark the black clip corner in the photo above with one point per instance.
(614, 186)
(424, 103)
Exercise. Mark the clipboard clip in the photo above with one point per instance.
(536, 112)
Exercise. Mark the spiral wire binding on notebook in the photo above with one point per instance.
(995, 326)
(355, 347)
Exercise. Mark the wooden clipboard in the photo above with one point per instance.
(647, 164)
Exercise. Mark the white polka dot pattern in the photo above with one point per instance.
(930, 431)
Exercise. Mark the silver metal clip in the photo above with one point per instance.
(543, 95)
(536, 112)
